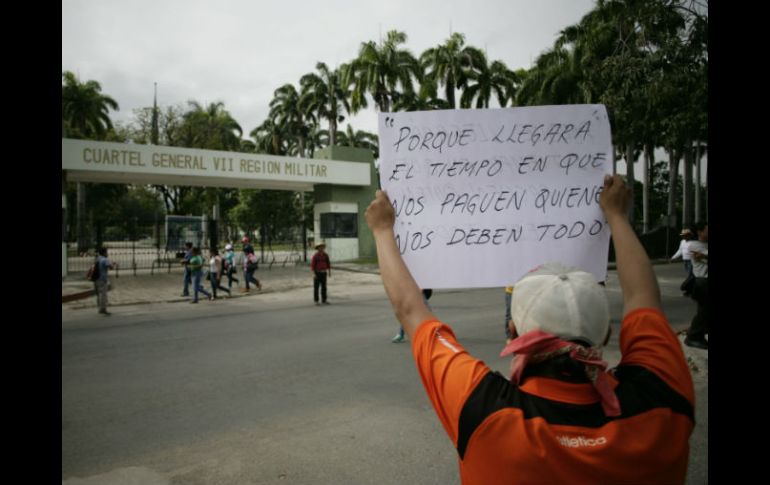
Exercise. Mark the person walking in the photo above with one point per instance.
(250, 266)
(196, 271)
(229, 265)
(215, 273)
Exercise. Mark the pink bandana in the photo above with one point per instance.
(538, 346)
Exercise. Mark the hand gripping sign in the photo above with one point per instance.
(483, 196)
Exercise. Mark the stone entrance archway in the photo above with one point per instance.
(341, 179)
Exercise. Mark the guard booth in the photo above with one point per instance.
(342, 180)
(338, 217)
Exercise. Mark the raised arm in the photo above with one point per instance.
(678, 252)
(637, 279)
(404, 294)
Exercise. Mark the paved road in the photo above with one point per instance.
(276, 390)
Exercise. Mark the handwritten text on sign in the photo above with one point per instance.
(483, 196)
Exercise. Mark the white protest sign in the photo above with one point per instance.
(484, 196)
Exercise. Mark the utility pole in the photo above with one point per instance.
(154, 134)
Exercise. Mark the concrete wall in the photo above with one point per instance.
(339, 194)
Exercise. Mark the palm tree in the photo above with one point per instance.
(412, 101)
(323, 96)
(361, 139)
(248, 146)
(558, 77)
(208, 127)
(379, 70)
(269, 138)
(495, 78)
(211, 127)
(85, 110)
(85, 114)
(449, 64)
(286, 112)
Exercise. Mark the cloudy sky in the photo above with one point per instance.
(240, 51)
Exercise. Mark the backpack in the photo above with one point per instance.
(93, 272)
(251, 262)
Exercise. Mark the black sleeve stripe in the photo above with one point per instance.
(639, 391)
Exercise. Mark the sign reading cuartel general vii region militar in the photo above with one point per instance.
(101, 161)
(483, 196)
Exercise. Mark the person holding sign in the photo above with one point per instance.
(561, 418)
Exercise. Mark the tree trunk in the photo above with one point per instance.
(166, 196)
(649, 160)
(673, 169)
(630, 177)
(614, 161)
(687, 186)
(698, 206)
(332, 130)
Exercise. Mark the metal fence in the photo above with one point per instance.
(153, 246)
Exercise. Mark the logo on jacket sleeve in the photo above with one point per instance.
(580, 441)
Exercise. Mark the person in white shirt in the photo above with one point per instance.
(215, 273)
(684, 250)
(699, 327)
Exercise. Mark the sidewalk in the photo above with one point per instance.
(164, 287)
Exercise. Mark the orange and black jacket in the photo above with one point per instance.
(551, 428)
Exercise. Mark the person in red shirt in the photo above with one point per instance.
(561, 417)
(320, 267)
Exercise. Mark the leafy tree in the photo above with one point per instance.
(85, 115)
(360, 139)
(379, 70)
(210, 127)
(85, 110)
(269, 138)
(324, 97)
(485, 79)
(448, 64)
(274, 213)
(295, 123)
(426, 100)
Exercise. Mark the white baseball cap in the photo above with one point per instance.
(228, 247)
(561, 300)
